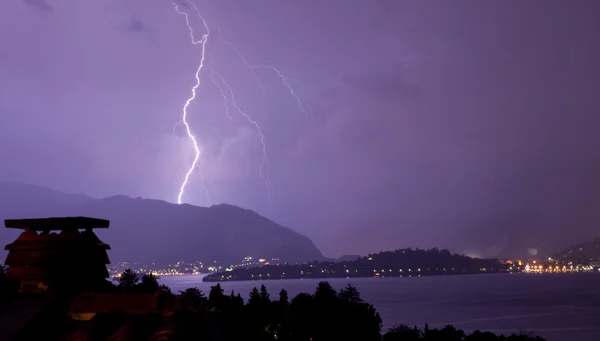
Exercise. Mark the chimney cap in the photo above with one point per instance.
(62, 223)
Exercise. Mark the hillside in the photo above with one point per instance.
(156, 231)
(398, 263)
(583, 253)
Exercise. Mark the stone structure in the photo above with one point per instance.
(65, 262)
(64, 294)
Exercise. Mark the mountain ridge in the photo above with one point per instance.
(224, 232)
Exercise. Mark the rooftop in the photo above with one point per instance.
(66, 223)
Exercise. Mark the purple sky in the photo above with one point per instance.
(473, 125)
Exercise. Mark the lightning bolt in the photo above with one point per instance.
(206, 193)
(263, 176)
(224, 90)
(225, 101)
(284, 79)
(191, 136)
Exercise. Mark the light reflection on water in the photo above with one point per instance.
(559, 307)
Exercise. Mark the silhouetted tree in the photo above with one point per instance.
(264, 295)
(237, 300)
(165, 289)
(283, 297)
(402, 333)
(448, 333)
(325, 292)
(149, 283)
(216, 296)
(350, 294)
(300, 321)
(479, 336)
(216, 292)
(192, 293)
(254, 297)
(192, 297)
(128, 280)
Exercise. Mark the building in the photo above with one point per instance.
(50, 251)
(59, 268)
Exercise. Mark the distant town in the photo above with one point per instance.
(188, 267)
(584, 257)
(253, 268)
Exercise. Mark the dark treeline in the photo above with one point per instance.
(449, 333)
(326, 314)
(7, 289)
(405, 262)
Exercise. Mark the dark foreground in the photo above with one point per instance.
(326, 314)
(558, 307)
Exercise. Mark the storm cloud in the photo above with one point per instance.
(466, 125)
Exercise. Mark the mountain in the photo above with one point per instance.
(583, 253)
(348, 258)
(148, 230)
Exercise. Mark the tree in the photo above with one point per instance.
(448, 333)
(402, 333)
(216, 296)
(301, 321)
(216, 292)
(237, 301)
(193, 293)
(193, 297)
(254, 297)
(283, 297)
(149, 283)
(165, 289)
(325, 292)
(264, 295)
(350, 294)
(128, 280)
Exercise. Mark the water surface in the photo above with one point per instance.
(559, 307)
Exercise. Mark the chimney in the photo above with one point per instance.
(53, 257)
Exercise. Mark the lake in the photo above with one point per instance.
(559, 307)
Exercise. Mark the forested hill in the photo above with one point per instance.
(404, 262)
(584, 253)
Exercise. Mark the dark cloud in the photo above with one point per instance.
(42, 5)
(136, 26)
(139, 26)
(482, 140)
